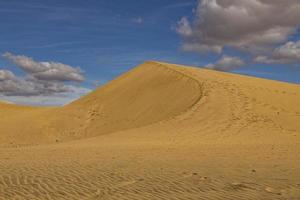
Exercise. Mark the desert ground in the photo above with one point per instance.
(159, 131)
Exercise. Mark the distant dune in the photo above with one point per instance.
(159, 131)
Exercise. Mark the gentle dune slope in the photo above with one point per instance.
(243, 108)
(160, 131)
(147, 94)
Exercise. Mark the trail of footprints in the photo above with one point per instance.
(242, 108)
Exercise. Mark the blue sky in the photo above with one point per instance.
(106, 38)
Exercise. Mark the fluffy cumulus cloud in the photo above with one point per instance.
(42, 80)
(227, 63)
(6, 75)
(46, 70)
(250, 25)
(287, 53)
(255, 27)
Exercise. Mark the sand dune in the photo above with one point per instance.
(160, 131)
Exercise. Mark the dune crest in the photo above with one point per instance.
(155, 92)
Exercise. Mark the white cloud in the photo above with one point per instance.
(287, 53)
(45, 83)
(290, 50)
(5, 74)
(184, 28)
(264, 59)
(227, 63)
(46, 70)
(11, 85)
(248, 25)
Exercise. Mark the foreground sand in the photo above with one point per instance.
(160, 131)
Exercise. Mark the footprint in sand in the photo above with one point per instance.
(204, 178)
(272, 190)
(188, 175)
(239, 186)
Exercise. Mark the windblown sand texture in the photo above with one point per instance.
(160, 131)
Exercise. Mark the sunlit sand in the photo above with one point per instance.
(160, 131)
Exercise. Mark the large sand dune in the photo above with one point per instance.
(160, 131)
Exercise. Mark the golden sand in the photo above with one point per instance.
(160, 131)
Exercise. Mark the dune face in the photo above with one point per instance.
(147, 94)
(160, 131)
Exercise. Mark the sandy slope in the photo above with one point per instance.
(160, 131)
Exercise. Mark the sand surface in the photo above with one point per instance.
(160, 131)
